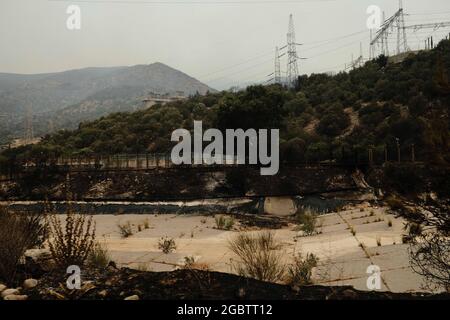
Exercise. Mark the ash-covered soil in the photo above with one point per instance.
(118, 284)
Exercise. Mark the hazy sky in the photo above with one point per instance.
(223, 43)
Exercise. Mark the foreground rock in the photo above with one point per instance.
(194, 284)
(16, 297)
(8, 292)
(30, 283)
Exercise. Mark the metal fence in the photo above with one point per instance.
(333, 157)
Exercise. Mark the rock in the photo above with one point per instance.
(38, 261)
(30, 283)
(16, 297)
(103, 293)
(133, 297)
(2, 287)
(8, 292)
(38, 254)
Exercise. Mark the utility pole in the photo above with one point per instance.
(292, 66)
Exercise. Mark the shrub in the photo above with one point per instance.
(224, 222)
(300, 272)
(308, 221)
(146, 224)
(378, 241)
(99, 256)
(389, 223)
(257, 255)
(18, 232)
(71, 242)
(167, 245)
(125, 229)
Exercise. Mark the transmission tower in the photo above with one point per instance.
(396, 21)
(277, 73)
(401, 31)
(292, 66)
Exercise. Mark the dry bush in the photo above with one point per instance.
(99, 256)
(19, 231)
(300, 271)
(167, 245)
(430, 257)
(308, 220)
(71, 242)
(224, 222)
(125, 229)
(258, 256)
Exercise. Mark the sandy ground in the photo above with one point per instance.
(344, 257)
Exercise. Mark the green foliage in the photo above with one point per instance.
(406, 100)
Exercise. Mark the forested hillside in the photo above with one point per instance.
(370, 106)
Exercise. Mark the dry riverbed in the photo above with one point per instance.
(348, 242)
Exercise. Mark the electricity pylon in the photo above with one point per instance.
(396, 21)
(292, 66)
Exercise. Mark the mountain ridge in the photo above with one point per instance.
(51, 95)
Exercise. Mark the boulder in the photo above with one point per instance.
(30, 283)
(133, 297)
(16, 297)
(2, 287)
(8, 292)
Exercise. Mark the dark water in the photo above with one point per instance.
(316, 203)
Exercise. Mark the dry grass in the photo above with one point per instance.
(99, 256)
(258, 256)
(125, 229)
(300, 271)
(309, 221)
(224, 222)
